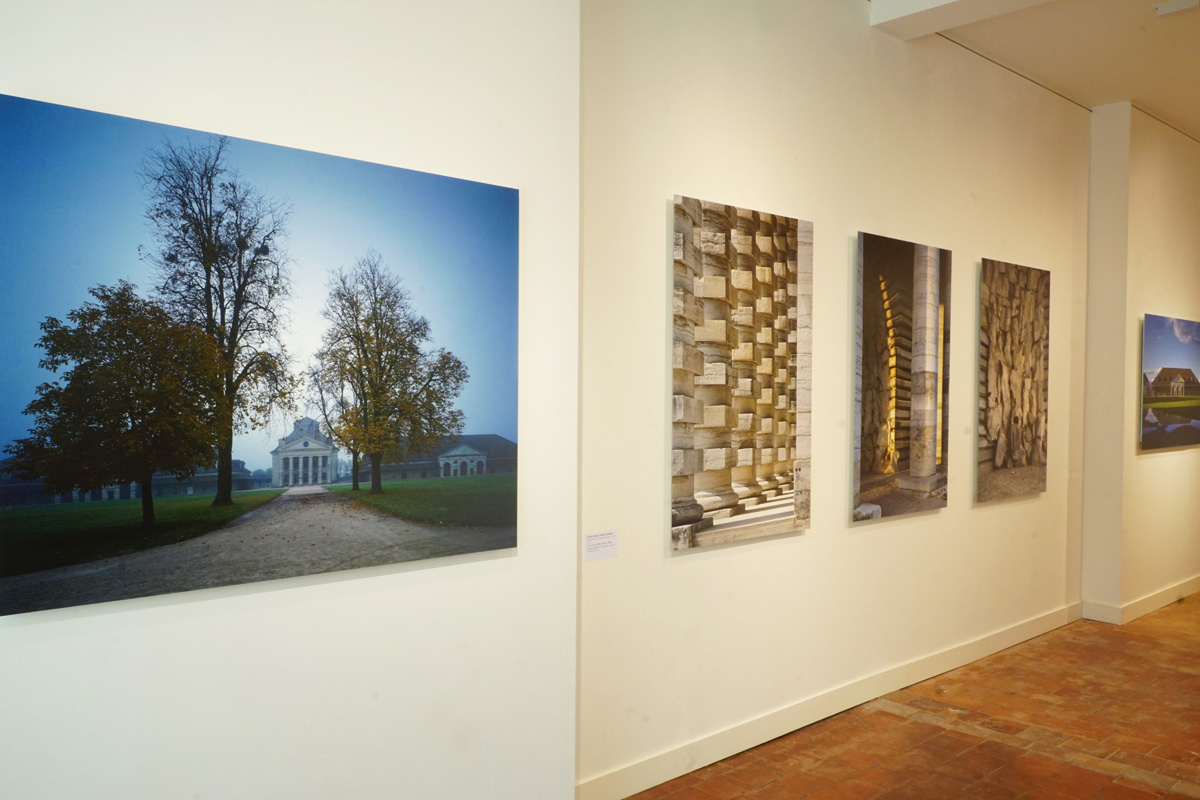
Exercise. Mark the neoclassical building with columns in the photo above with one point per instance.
(304, 457)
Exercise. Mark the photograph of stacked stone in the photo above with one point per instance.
(1014, 373)
(902, 377)
(741, 370)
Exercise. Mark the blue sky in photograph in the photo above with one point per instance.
(72, 216)
(1169, 342)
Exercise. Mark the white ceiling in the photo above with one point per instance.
(1092, 51)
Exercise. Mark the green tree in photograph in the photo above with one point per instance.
(134, 399)
(222, 266)
(400, 395)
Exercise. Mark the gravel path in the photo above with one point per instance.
(305, 530)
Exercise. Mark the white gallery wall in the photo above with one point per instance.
(1140, 549)
(1160, 548)
(445, 679)
(801, 109)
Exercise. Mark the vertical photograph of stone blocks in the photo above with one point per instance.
(741, 373)
(1014, 376)
(1170, 389)
(902, 380)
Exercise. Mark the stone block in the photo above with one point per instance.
(764, 305)
(687, 359)
(745, 457)
(716, 373)
(684, 306)
(867, 511)
(925, 485)
(713, 243)
(743, 317)
(745, 423)
(742, 279)
(743, 353)
(712, 287)
(686, 409)
(718, 458)
(765, 275)
(719, 417)
(715, 330)
(686, 462)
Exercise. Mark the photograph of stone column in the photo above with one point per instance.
(1170, 389)
(741, 371)
(1014, 373)
(902, 377)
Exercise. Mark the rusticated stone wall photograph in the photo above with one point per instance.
(901, 377)
(1014, 353)
(741, 366)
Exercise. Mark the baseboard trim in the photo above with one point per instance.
(1074, 611)
(1102, 612)
(660, 768)
(1156, 600)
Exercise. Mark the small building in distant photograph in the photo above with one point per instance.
(1174, 382)
(469, 454)
(17, 492)
(305, 457)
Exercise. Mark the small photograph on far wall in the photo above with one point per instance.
(741, 374)
(1170, 390)
(1014, 353)
(903, 378)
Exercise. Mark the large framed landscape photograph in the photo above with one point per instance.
(229, 361)
(1170, 409)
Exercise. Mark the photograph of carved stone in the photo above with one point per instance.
(1170, 389)
(1014, 377)
(741, 372)
(902, 380)
(229, 362)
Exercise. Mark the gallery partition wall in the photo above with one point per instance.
(803, 111)
(382, 680)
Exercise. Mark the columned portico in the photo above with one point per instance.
(305, 457)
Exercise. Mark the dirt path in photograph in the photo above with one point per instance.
(305, 530)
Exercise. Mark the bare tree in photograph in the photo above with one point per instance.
(333, 400)
(126, 405)
(221, 266)
(401, 393)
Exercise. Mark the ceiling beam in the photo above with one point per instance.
(909, 19)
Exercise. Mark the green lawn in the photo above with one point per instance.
(473, 501)
(1182, 402)
(40, 537)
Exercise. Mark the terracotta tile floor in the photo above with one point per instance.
(1086, 711)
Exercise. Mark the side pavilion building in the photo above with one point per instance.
(304, 457)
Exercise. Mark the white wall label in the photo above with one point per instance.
(599, 545)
